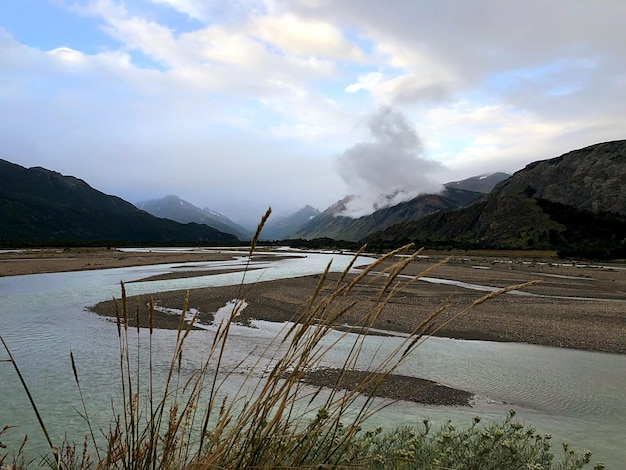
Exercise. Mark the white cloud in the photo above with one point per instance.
(67, 55)
(367, 82)
(137, 33)
(494, 138)
(306, 38)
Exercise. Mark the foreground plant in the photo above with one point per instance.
(499, 445)
(276, 421)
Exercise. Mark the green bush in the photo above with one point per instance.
(501, 445)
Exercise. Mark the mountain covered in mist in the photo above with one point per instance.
(575, 203)
(332, 223)
(40, 206)
(174, 208)
(280, 227)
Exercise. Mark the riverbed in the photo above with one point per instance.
(576, 395)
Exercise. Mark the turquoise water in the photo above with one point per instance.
(578, 396)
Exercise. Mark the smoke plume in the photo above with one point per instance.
(389, 169)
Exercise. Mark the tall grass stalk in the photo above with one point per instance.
(54, 450)
(189, 421)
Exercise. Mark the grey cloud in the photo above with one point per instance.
(491, 29)
(390, 168)
(409, 93)
(475, 39)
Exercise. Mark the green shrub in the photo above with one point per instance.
(501, 445)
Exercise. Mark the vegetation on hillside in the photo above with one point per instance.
(591, 235)
(554, 226)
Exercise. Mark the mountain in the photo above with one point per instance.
(282, 226)
(576, 201)
(329, 224)
(176, 209)
(480, 184)
(40, 206)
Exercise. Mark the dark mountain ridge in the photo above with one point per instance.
(575, 200)
(40, 206)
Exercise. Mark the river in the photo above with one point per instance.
(578, 396)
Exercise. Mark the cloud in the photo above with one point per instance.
(400, 90)
(367, 82)
(388, 169)
(306, 38)
(462, 47)
(248, 103)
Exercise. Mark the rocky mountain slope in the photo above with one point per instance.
(40, 206)
(174, 208)
(576, 199)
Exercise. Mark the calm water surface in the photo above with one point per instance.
(577, 396)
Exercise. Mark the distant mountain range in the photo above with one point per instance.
(281, 227)
(331, 224)
(276, 228)
(339, 227)
(309, 223)
(173, 208)
(40, 206)
(575, 203)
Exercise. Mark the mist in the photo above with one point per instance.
(388, 169)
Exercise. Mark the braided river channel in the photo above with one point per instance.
(577, 396)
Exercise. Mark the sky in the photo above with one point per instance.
(244, 104)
